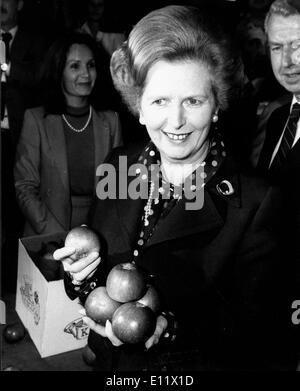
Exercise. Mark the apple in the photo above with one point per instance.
(151, 299)
(84, 240)
(99, 306)
(11, 368)
(14, 332)
(126, 282)
(133, 323)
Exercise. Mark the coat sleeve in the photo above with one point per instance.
(28, 179)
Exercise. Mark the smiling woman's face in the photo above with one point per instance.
(79, 74)
(177, 107)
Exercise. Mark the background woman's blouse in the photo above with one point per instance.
(80, 152)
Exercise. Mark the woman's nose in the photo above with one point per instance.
(176, 117)
(85, 71)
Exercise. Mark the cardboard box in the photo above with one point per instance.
(50, 317)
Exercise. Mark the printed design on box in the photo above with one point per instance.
(30, 298)
(77, 328)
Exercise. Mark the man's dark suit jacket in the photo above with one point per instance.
(289, 178)
(289, 183)
(274, 129)
(26, 55)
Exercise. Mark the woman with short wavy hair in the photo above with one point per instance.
(203, 231)
(186, 36)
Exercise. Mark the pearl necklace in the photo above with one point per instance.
(84, 127)
(148, 210)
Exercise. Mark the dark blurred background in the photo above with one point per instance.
(53, 16)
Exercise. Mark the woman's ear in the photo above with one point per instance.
(141, 118)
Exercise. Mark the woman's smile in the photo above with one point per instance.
(177, 137)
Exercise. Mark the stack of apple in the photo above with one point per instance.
(127, 301)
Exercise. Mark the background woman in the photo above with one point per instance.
(63, 142)
(215, 265)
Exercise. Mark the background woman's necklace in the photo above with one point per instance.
(81, 129)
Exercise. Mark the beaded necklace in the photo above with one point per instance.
(81, 129)
(168, 195)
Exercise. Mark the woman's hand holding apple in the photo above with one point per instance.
(80, 255)
(103, 330)
(80, 270)
(161, 326)
(126, 310)
(106, 331)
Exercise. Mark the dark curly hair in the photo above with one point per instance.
(176, 33)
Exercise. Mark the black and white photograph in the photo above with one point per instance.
(150, 189)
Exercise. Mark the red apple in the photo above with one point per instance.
(151, 299)
(99, 306)
(84, 240)
(14, 332)
(126, 282)
(133, 323)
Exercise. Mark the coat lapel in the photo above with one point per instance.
(57, 143)
(130, 210)
(19, 45)
(273, 133)
(206, 221)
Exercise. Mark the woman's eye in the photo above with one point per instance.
(159, 102)
(194, 101)
(74, 66)
(92, 65)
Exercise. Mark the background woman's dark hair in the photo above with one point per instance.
(50, 80)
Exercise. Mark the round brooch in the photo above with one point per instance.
(225, 188)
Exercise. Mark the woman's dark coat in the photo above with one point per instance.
(218, 269)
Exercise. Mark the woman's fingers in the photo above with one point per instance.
(98, 328)
(86, 271)
(62, 253)
(93, 272)
(110, 334)
(83, 263)
(161, 325)
(81, 269)
(104, 331)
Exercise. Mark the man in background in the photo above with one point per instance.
(23, 54)
(279, 160)
(96, 26)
